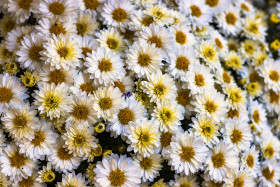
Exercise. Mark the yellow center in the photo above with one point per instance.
(159, 89)
(144, 60)
(195, 11)
(57, 29)
(17, 160)
(34, 53)
(39, 138)
(230, 18)
(56, 8)
(80, 112)
(56, 77)
(249, 48)
(268, 175)
(49, 176)
(206, 129)
(236, 136)
(212, 3)
(210, 106)
(187, 153)
(233, 113)
(105, 65)
(182, 63)
(218, 160)
(25, 4)
(120, 85)
(63, 52)
(119, 15)
(52, 102)
(20, 121)
(147, 21)
(181, 37)
(91, 4)
(238, 182)
(87, 87)
(166, 115)
(165, 139)
(63, 154)
(79, 140)
(183, 97)
(219, 43)
(226, 77)
(6, 95)
(208, 52)
(112, 43)
(125, 116)
(244, 7)
(256, 116)
(269, 151)
(274, 75)
(85, 51)
(6, 54)
(235, 96)
(81, 28)
(146, 163)
(144, 138)
(253, 27)
(199, 80)
(117, 178)
(156, 40)
(274, 97)
(105, 103)
(250, 161)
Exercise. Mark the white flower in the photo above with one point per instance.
(70, 179)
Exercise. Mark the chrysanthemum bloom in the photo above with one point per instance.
(116, 171)
(209, 53)
(258, 114)
(160, 14)
(86, 24)
(187, 153)
(143, 137)
(270, 173)
(182, 35)
(83, 83)
(20, 122)
(46, 174)
(16, 165)
(254, 29)
(149, 166)
(52, 99)
(270, 71)
(240, 177)
(250, 161)
(15, 36)
(21, 9)
(93, 6)
(222, 160)
(182, 180)
(236, 97)
(71, 179)
(12, 93)
(270, 147)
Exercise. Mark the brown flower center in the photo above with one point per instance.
(199, 80)
(146, 163)
(238, 182)
(6, 95)
(63, 52)
(183, 97)
(233, 113)
(85, 51)
(236, 136)
(56, 8)
(57, 29)
(268, 175)
(112, 43)
(105, 65)
(25, 4)
(105, 103)
(182, 63)
(119, 15)
(20, 121)
(230, 18)
(256, 116)
(165, 139)
(156, 40)
(56, 77)
(250, 161)
(269, 151)
(274, 97)
(187, 153)
(195, 11)
(17, 160)
(80, 112)
(159, 89)
(87, 87)
(120, 85)
(125, 116)
(39, 138)
(91, 4)
(63, 154)
(219, 43)
(210, 106)
(212, 3)
(34, 52)
(218, 160)
(226, 77)
(181, 37)
(274, 75)
(117, 178)
(29, 181)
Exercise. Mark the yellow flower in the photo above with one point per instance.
(12, 68)
(29, 79)
(275, 45)
(274, 19)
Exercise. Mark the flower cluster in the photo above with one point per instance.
(126, 93)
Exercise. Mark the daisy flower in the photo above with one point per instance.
(82, 83)
(5, 54)
(105, 66)
(207, 129)
(55, 9)
(16, 165)
(220, 42)
(184, 100)
(144, 59)
(182, 35)
(235, 96)
(240, 177)
(160, 36)
(270, 174)
(47, 27)
(81, 110)
(21, 9)
(272, 101)
(208, 52)
(86, 24)
(111, 39)
(149, 166)
(15, 36)
(168, 116)
(182, 180)
(180, 61)
(223, 77)
(108, 102)
(199, 79)
(212, 105)
(93, 6)
(12, 93)
(143, 137)
(254, 29)
(248, 49)
(71, 179)
(223, 158)
(125, 84)
(46, 174)
(30, 180)
(139, 20)
(29, 53)
(116, 171)
(270, 71)
(250, 161)
(160, 87)
(42, 143)
(88, 45)
(79, 140)
(52, 99)
(239, 134)
(187, 153)
(270, 147)
(61, 52)
(230, 21)
(62, 160)
(217, 6)
(7, 23)
(245, 6)
(258, 114)
(234, 61)
(132, 111)
(160, 14)
(117, 13)
(198, 12)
